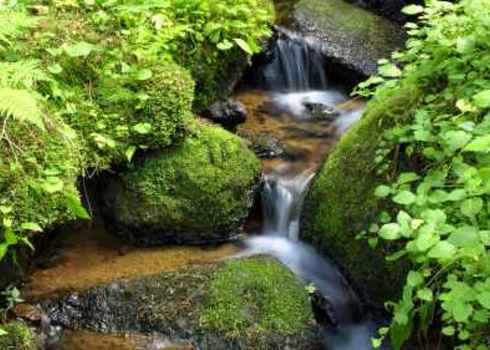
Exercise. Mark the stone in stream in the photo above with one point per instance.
(228, 113)
(321, 111)
(196, 193)
(350, 35)
(265, 145)
(251, 304)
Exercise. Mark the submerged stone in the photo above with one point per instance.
(197, 193)
(350, 35)
(253, 303)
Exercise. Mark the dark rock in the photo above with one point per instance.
(263, 144)
(228, 113)
(172, 304)
(321, 111)
(348, 34)
(323, 310)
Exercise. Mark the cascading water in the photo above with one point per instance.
(295, 81)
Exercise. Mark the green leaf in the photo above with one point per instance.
(3, 250)
(244, 46)
(404, 198)
(462, 311)
(52, 184)
(457, 139)
(472, 206)
(81, 49)
(142, 128)
(143, 74)
(442, 250)
(484, 299)
(449, 331)
(382, 191)
(390, 71)
(414, 279)
(31, 226)
(412, 10)
(465, 236)
(55, 69)
(224, 45)
(425, 294)
(390, 231)
(480, 144)
(482, 99)
(75, 205)
(22, 105)
(130, 153)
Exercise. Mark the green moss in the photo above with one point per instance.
(38, 171)
(256, 297)
(204, 187)
(18, 337)
(341, 201)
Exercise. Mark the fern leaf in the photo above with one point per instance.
(22, 74)
(14, 24)
(22, 105)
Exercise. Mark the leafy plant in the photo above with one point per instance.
(437, 169)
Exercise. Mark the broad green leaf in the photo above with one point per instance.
(462, 311)
(130, 153)
(442, 250)
(244, 46)
(143, 74)
(484, 299)
(482, 99)
(142, 128)
(382, 191)
(390, 231)
(412, 10)
(80, 49)
(225, 45)
(55, 69)
(465, 236)
(405, 198)
(414, 279)
(472, 206)
(53, 184)
(480, 144)
(390, 71)
(457, 139)
(425, 294)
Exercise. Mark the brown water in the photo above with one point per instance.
(90, 256)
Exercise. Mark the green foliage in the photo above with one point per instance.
(256, 297)
(442, 189)
(17, 336)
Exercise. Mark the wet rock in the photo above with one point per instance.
(228, 113)
(176, 305)
(263, 144)
(348, 34)
(198, 193)
(321, 111)
(323, 310)
(28, 312)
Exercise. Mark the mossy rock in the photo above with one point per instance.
(341, 202)
(199, 192)
(264, 303)
(352, 36)
(18, 337)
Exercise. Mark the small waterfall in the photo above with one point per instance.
(295, 65)
(282, 200)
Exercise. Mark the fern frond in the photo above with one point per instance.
(13, 24)
(22, 74)
(21, 105)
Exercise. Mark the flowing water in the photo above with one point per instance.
(292, 81)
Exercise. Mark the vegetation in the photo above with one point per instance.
(85, 85)
(436, 168)
(199, 191)
(19, 337)
(256, 297)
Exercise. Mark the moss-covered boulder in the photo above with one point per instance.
(18, 337)
(199, 192)
(341, 201)
(352, 36)
(253, 304)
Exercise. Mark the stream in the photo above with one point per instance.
(292, 102)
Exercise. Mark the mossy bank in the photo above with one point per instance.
(262, 307)
(18, 337)
(341, 202)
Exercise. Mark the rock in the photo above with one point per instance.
(391, 9)
(321, 111)
(263, 144)
(341, 202)
(350, 35)
(28, 312)
(228, 113)
(197, 193)
(323, 310)
(253, 304)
